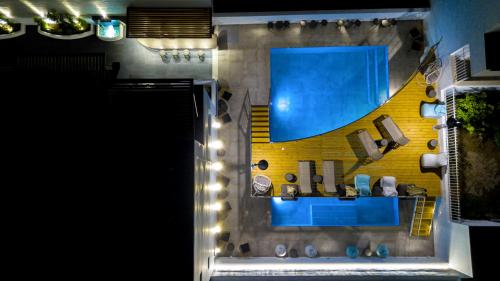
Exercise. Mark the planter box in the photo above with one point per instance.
(15, 34)
(68, 37)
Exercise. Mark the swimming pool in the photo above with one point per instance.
(319, 89)
(332, 211)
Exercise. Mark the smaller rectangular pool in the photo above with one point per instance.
(331, 211)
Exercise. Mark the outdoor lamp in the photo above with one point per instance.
(175, 54)
(376, 21)
(324, 22)
(201, 55)
(303, 23)
(385, 23)
(340, 23)
(187, 54)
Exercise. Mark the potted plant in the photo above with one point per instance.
(10, 29)
(63, 26)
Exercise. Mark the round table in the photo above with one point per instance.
(290, 177)
(280, 250)
(317, 179)
(311, 251)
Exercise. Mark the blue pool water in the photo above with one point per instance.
(320, 89)
(331, 211)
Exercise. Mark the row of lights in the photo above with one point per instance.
(72, 9)
(346, 23)
(216, 187)
(176, 55)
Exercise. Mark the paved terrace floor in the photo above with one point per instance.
(243, 68)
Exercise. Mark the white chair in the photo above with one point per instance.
(431, 160)
(388, 185)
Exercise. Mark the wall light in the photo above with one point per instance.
(303, 23)
(215, 187)
(216, 144)
(376, 21)
(270, 25)
(35, 9)
(175, 54)
(187, 54)
(357, 22)
(324, 22)
(71, 9)
(217, 166)
(217, 250)
(216, 125)
(6, 12)
(216, 229)
(340, 23)
(385, 23)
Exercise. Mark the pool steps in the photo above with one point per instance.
(260, 124)
(423, 214)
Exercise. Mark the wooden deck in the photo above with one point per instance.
(402, 163)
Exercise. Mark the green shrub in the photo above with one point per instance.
(478, 114)
(62, 23)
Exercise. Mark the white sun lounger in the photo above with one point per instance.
(329, 176)
(369, 145)
(305, 177)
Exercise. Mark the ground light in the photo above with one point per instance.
(216, 144)
(71, 9)
(216, 125)
(6, 12)
(217, 166)
(216, 229)
(215, 187)
(33, 8)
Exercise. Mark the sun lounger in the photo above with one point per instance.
(391, 131)
(362, 184)
(388, 185)
(305, 177)
(432, 110)
(329, 176)
(369, 145)
(431, 160)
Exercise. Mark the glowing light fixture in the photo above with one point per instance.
(215, 187)
(217, 166)
(216, 229)
(49, 20)
(340, 23)
(216, 124)
(216, 206)
(71, 9)
(201, 55)
(101, 10)
(385, 23)
(34, 8)
(217, 250)
(187, 54)
(216, 144)
(376, 21)
(303, 23)
(6, 12)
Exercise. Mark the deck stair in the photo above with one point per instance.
(260, 124)
(421, 225)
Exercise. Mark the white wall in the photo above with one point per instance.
(363, 15)
(458, 23)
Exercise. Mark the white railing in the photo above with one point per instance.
(460, 64)
(453, 158)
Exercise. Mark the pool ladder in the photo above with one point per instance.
(423, 214)
(260, 124)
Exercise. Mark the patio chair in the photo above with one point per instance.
(369, 145)
(432, 110)
(391, 131)
(388, 185)
(362, 184)
(305, 177)
(329, 176)
(431, 160)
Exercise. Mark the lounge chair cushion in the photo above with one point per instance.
(433, 110)
(362, 184)
(389, 186)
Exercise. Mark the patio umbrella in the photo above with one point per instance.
(382, 251)
(352, 252)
